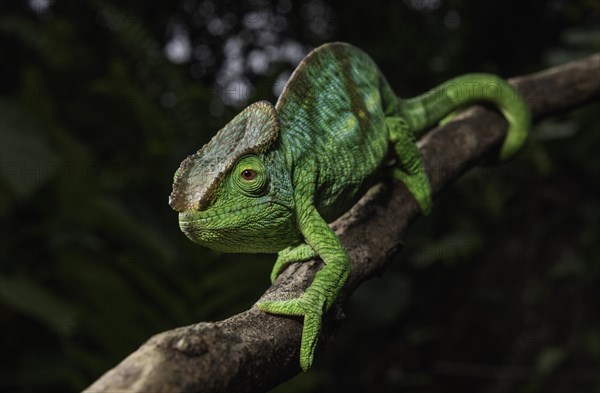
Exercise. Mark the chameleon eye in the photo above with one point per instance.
(248, 174)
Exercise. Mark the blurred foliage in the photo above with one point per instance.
(496, 291)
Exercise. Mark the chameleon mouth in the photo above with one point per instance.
(191, 217)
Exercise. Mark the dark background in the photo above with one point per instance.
(496, 291)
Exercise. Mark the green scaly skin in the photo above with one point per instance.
(273, 177)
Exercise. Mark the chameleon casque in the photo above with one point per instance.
(274, 176)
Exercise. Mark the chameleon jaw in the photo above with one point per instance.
(229, 229)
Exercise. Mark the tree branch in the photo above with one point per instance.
(254, 351)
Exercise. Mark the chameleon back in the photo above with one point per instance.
(332, 125)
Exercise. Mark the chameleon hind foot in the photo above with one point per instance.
(310, 306)
(411, 170)
(418, 186)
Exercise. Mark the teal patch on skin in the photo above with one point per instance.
(272, 178)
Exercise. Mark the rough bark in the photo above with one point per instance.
(254, 351)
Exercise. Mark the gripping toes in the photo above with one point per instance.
(300, 253)
(310, 306)
(418, 185)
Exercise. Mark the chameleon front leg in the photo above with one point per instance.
(324, 289)
(289, 255)
(411, 170)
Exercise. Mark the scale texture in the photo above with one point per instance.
(273, 177)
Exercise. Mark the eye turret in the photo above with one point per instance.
(250, 176)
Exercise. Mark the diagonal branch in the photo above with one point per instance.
(254, 351)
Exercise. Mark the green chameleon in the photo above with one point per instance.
(274, 176)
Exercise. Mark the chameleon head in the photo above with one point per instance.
(234, 194)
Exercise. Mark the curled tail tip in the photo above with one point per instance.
(517, 113)
(515, 139)
(508, 151)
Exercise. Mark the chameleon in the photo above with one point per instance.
(272, 178)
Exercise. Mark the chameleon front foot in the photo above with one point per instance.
(299, 253)
(310, 305)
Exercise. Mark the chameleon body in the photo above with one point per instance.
(274, 176)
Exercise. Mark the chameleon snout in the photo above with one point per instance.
(188, 223)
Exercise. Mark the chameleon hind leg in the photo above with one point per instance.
(287, 256)
(410, 170)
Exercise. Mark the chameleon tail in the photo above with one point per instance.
(426, 110)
